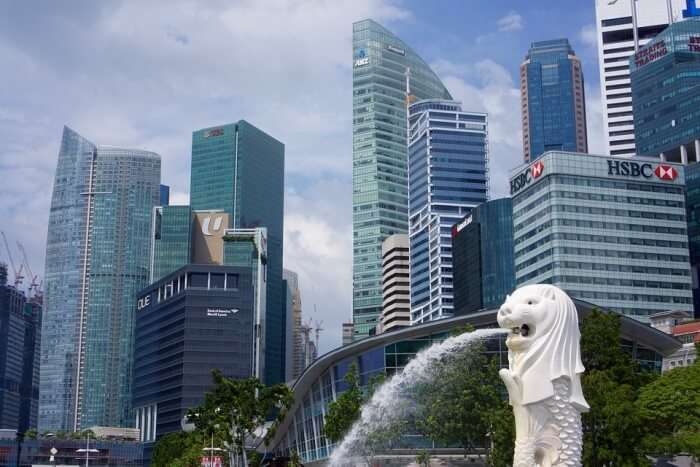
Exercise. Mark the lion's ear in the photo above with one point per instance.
(549, 292)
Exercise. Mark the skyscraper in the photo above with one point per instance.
(482, 257)
(380, 192)
(447, 177)
(20, 339)
(665, 75)
(171, 240)
(553, 100)
(396, 307)
(240, 169)
(294, 353)
(622, 27)
(97, 259)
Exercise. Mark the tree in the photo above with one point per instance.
(178, 449)
(670, 410)
(423, 459)
(343, 412)
(502, 435)
(463, 404)
(612, 429)
(31, 434)
(234, 410)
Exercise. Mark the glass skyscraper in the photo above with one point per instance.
(607, 229)
(482, 255)
(447, 177)
(692, 200)
(665, 75)
(553, 100)
(172, 237)
(97, 259)
(380, 191)
(240, 169)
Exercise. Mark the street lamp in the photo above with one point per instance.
(87, 450)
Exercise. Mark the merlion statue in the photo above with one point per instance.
(543, 378)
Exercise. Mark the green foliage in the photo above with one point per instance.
(423, 459)
(670, 410)
(343, 412)
(502, 433)
(234, 409)
(464, 406)
(613, 428)
(31, 434)
(294, 459)
(178, 450)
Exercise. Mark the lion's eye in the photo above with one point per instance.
(529, 302)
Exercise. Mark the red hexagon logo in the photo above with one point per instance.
(665, 172)
(537, 169)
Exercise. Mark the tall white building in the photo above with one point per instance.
(622, 27)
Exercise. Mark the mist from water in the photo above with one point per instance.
(392, 401)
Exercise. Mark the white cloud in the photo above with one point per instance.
(511, 22)
(139, 75)
(594, 122)
(589, 36)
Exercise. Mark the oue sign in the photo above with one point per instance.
(143, 302)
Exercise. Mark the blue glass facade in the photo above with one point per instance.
(553, 100)
(97, 259)
(172, 240)
(665, 75)
(692, 202)
(482, 250)
(164, 195)
(447, 177)
(380, 190)
(240, 169)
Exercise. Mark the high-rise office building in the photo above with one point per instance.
(608, 230)
(447, 177)
(482, 256)
(20, 340)
(692, 200)
(623, 26)
(665, 76)
(396, 306)
(239, 169)
(380, 191)
(294, 355)
(553, 101)
(97, 259)
(188, 323)
(170, 240)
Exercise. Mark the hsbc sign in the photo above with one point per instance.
(644, 170)
(526, 177)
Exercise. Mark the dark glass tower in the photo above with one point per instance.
(553, 100)
(692, 186)
(97, 259)
(379, 177)
(482, 251)
(240, 169)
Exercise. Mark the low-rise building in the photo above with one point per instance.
(689, 335)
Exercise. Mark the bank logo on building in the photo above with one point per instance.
(206, 223)
(361, 58)
(537, 169)
(666, 172)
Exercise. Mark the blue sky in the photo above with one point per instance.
(146, 74)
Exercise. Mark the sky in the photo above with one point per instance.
(145, 74)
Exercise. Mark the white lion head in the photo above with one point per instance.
(544, 342)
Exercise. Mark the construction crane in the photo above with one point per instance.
(18, 272)
(34, 287)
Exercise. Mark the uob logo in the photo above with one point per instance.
(216, 227)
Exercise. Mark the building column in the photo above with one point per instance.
(697, 150)
(662, 156)
(684, 155)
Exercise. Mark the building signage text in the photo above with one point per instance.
(214, 132)
(650, 53)
(221, 312)
(646, 170)
(143, 302)
(526, 177)
(396, 50)
(361, 59)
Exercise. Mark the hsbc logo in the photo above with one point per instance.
(665, 172)
(525, 178)
(645, 170)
